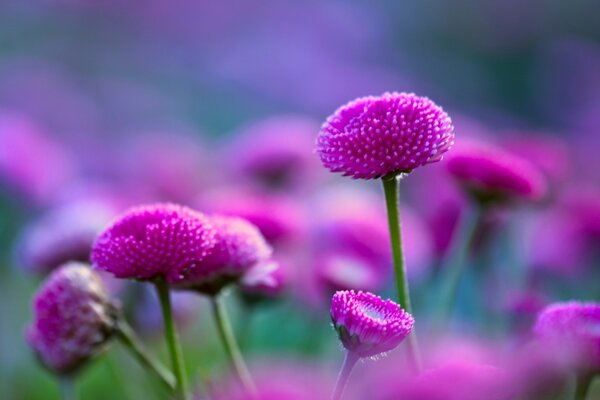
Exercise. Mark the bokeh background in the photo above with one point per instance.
(124, 102)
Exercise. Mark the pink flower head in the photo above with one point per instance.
(64, 234)
(371, 137)
(73, 318)
(239, 246)
(492, 174)
(276, 152)
(368, 325)
(345, 271)
(266, 280)
(160, 240)
(573, 331)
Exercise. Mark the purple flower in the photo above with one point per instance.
(160, 240)
(73, 318)
(572, 329)
(239, 246)
(371, 137)
(366, 324)
(492, 174)
(64, 234)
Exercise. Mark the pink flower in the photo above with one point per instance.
(73, 318)
(266, 280)
(491, 174)
(160, 240)
(371, 137)
(572, 330)
(366, 324)
(239, 246)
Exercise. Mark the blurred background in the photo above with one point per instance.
(106, 104)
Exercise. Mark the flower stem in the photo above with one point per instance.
(67, 388)
(349, 363)
(455, 262)
(174, 346)
(583, 383)
(391, 187)
(132, 342)
(229, 343)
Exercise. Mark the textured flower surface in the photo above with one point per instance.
(161, 240)
(368, 325)
(371, 137)
(73, 318)
(573, 328)
(494, 174)
(239, 246)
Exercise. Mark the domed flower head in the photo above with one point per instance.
(493, 175)
(156, 241)
(366, 324)
(73, 318)
(239, 246)
(573, 329)
(62, 235)
(371, 137)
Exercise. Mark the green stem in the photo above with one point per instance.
(173, 344)
(67, 388)
(229, 343)
(349, 363)
(583, 383)
(391, 187)
(455, 263)
(132, 342)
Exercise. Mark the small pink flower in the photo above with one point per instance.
(239, 246)
(371, 137)
(493, 174)
(161, 240)
(366, 324)
(266, 280)
(73, 318)
(572, 329)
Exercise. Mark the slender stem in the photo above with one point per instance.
(67, 388)
(133, 343)
(391, 187)
(349, 363)
(455, 263)
(174, 346)
(583, 383)
(229, 343)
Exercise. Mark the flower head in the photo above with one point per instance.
(368, 325)
(371, 137)
(264, 281)
(492, 174)
(73, 318)
(239, 246)
(574, 330)
(160, 240)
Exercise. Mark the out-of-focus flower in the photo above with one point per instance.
(572, 332)
(29, 160)
(371, 137)
(583, 204)
(61, 235)
(155, 241)
(280, 219)
(239, 246)
(366, 324)
(277, 153)
(491, 174)
(266, 280)
(280, 381)
(339, 271)
(73, 318)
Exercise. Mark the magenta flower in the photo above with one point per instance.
(62, 235)
(492, 174)
(266, 280)
(371, 137)
(73, 318)
(572, 329)
(338, 271)
(160, 240)
(239, 246)
(366, 324)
